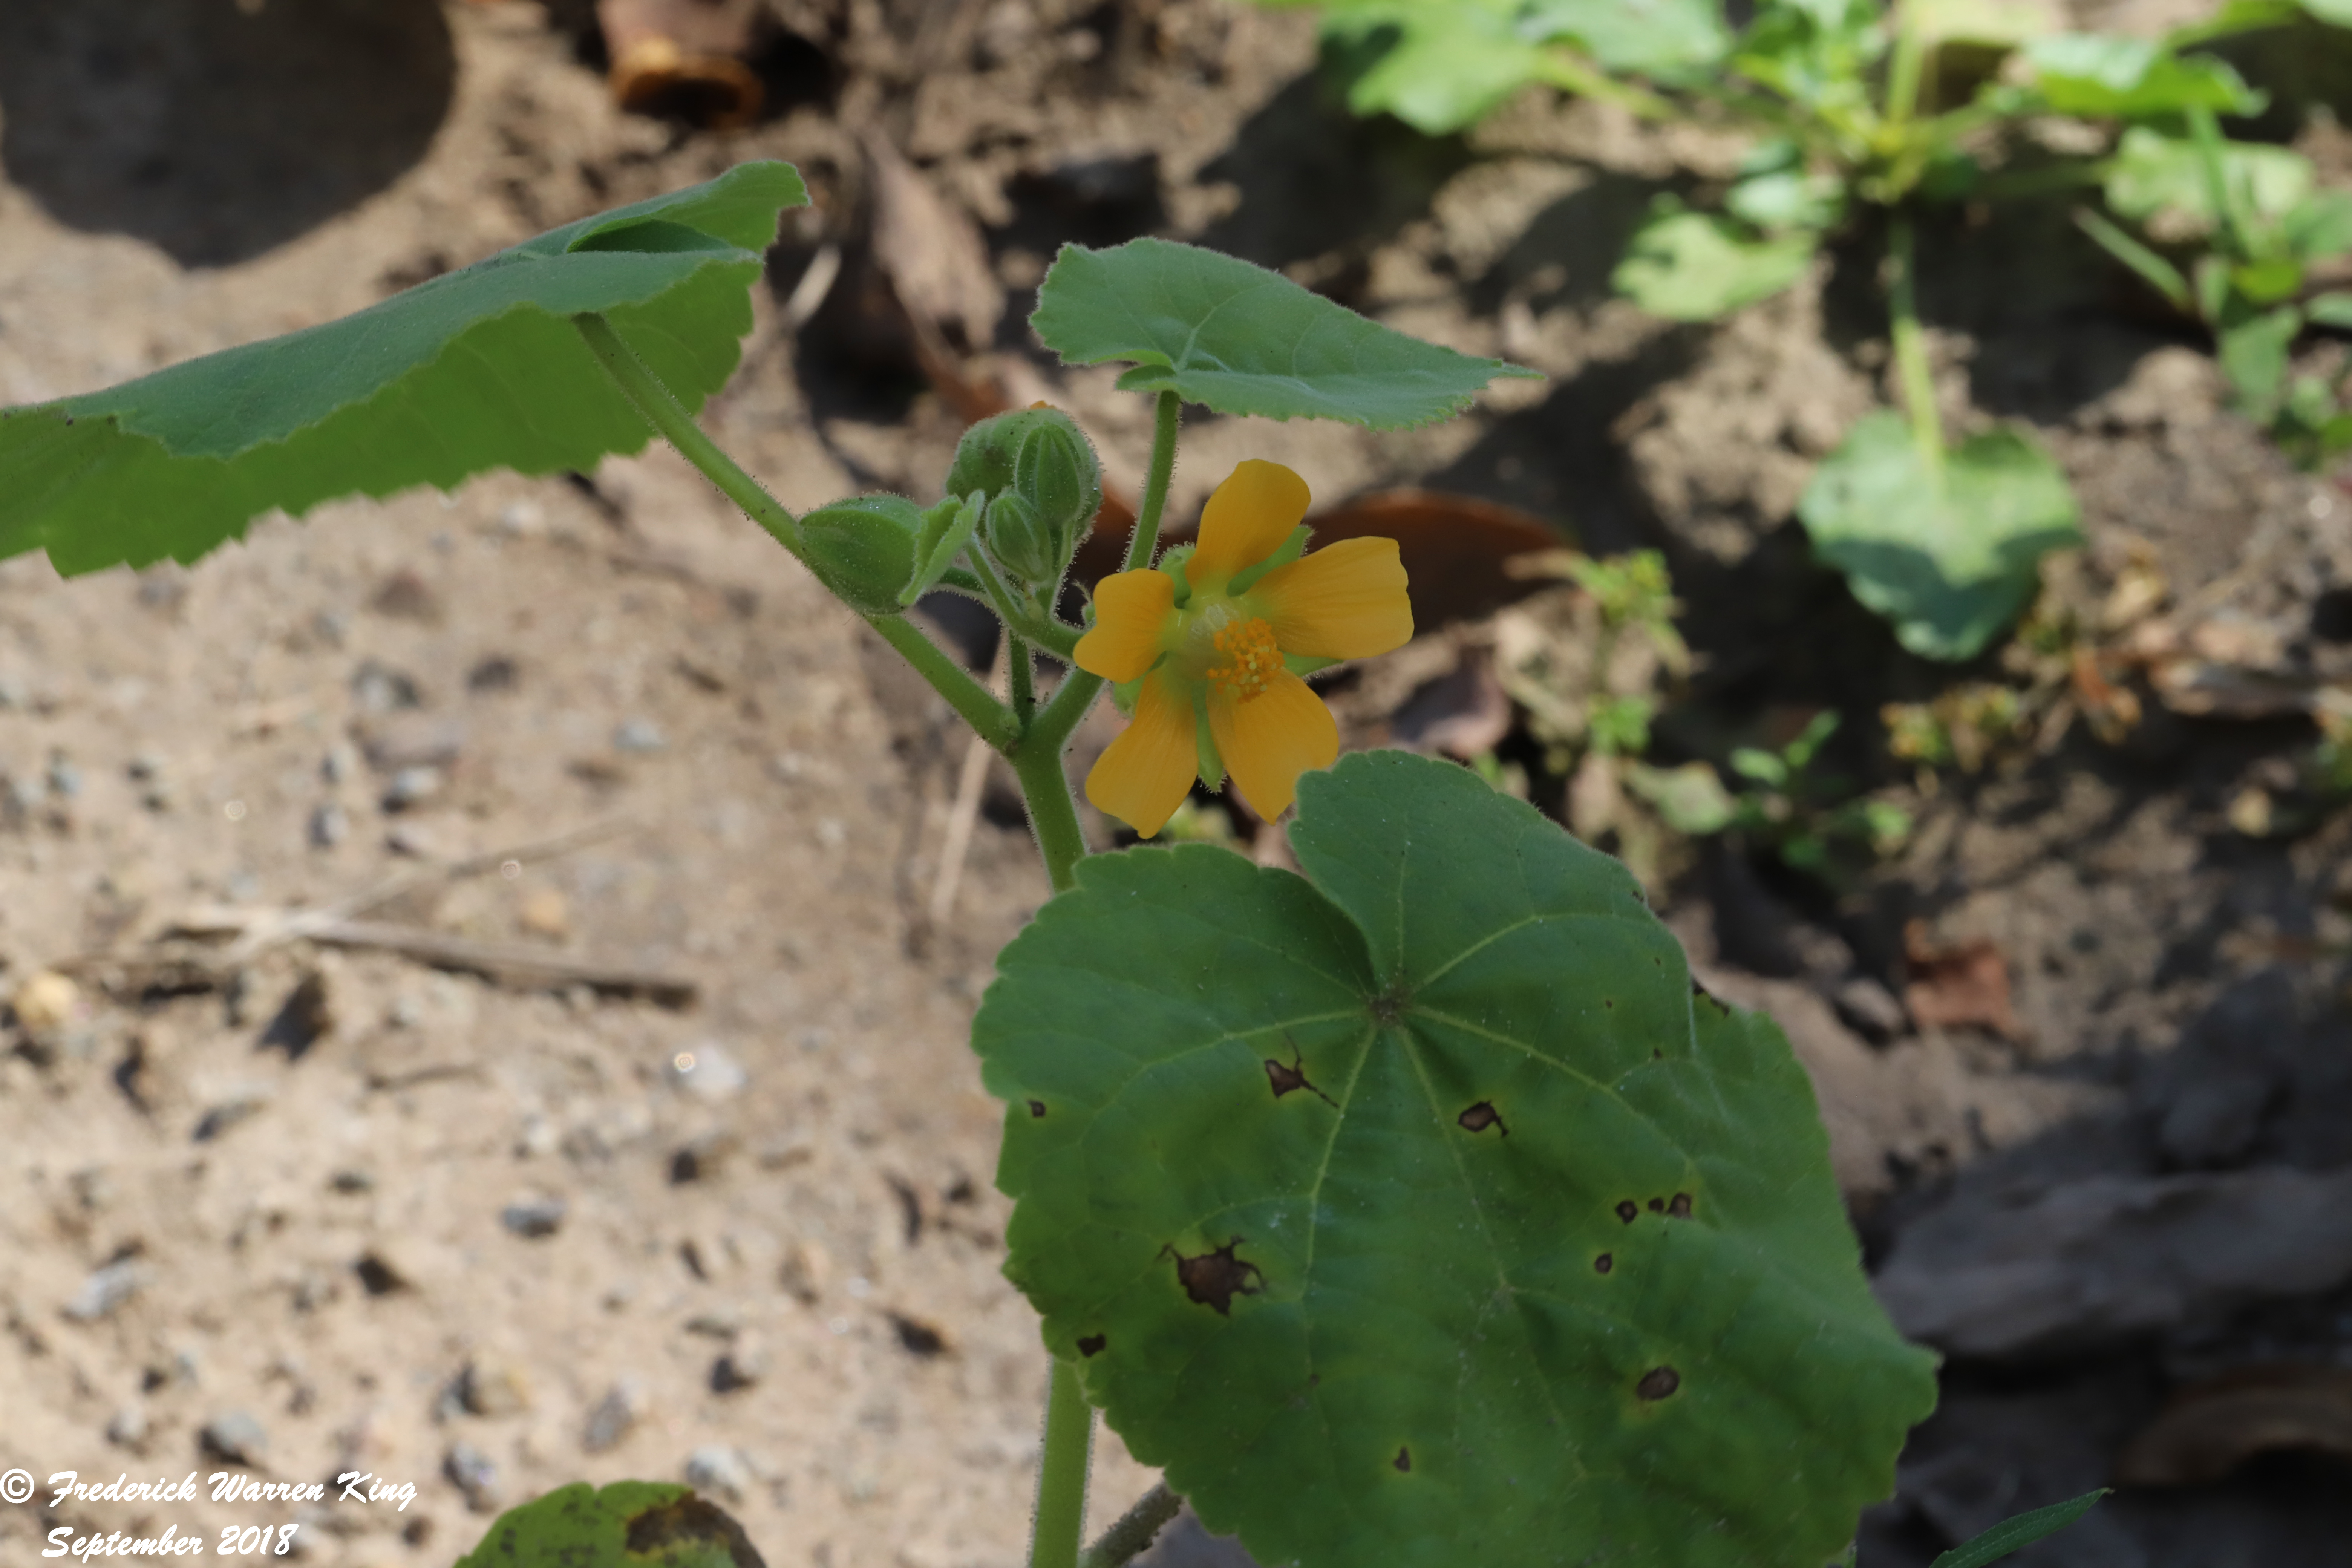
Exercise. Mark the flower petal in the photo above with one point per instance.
(1143, 776)
(1344, 600)
(1273, 738)
(1131, 609)
(1252, 512)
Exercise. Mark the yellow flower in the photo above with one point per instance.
(1212, 634)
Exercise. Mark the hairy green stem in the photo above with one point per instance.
(1062, 1473)
(1166, 412)
(991, 719)
(1911, 366)
(1022, 676)
(665, 413)
(1135, 1532)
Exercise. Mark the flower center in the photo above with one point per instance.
(1247, 660)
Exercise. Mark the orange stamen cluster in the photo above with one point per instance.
(1251, 660)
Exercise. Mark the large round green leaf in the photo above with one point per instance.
(1416, 1212)
(477, 370)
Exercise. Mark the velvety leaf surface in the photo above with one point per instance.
(477, 370)
(1950, 565)
(1415, 1211)
(1241, 340)
(629, 1524)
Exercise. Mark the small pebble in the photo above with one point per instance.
(46, 1002)
(64, 779)
(610, 1422)
(534, 1218)
(235, 1437)
(330, 826)
(127, 1428)
(414, 786)
(719, 1470)
(637, 735)
(1870, 1009)
(104, 1290)
(705, 1070)
(545, 913)
(493, 1388)
(341, 762)
(744, 1363)
(471, 1472)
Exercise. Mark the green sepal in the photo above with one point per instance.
(947, 528)
(1303, 665)
(864, 550)
(1172, 562)
(1204, 744)
(1123, 694)
(1291, 547)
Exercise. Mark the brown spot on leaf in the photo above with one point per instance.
(1294, 1076)
(1604, 1264)
(1657, 1205)
(1480, 1116)
(1036, 1107)
(1215, 1278)
(1679, 1208)
(1404, 1461)
(1627, 1210)
(1092, 1345)
(1658, 1382)
(689, 1526)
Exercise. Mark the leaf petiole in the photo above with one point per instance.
(1911, 366)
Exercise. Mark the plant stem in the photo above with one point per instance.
(1021, 676)
(665, 413)
(1572, 73)
(1166, 412)
(1911, 366)
(992, 720)
(1134, 1532)
(1903, 73)
(1062, 1473)
(1054, 816)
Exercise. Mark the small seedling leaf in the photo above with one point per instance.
(1241, 340)
(1950, 565)
(629, 1524)
(2152, 172)
(1551, 1266)
(1437, 65)
(2011, 1535)
(1663, 38)
(477, 370)
(1694, 267)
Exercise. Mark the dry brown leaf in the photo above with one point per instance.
(934, 256)
(1963, 985)
(683, 57)
(1463, 713)
(2211, 1429)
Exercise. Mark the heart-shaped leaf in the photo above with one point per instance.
(1219, 331)
(1417, 1212)
(1949, 563)
(477, 370)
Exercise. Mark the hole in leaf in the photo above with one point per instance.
(1658, 1382)
(1092, 1345)
(1405, 1460)
(1036, 1107)
(1480, 1116)
(1627, 1210)
(1680, 1207)
(1604, 1264)
(1215, 1278)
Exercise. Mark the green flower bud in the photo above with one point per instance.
(1040, 456)
(864, 550)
